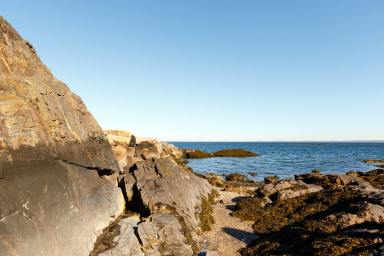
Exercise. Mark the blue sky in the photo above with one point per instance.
(217, 69)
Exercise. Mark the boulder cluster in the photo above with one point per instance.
(317, 214)
(169, 199)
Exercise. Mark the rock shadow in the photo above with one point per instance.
(241, 235)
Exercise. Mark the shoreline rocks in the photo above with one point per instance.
(373, 161)
(316, 214)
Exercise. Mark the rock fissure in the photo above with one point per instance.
(136, 232)
(101, 171)
(137, 204)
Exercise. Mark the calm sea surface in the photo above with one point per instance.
(286, 159)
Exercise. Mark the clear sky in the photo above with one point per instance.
(217, 69)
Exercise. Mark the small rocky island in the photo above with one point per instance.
(69, 188)
(230, 152)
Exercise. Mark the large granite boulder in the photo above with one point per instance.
(55, 197)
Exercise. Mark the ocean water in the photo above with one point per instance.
(285, 159)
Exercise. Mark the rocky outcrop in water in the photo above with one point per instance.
(54, 197)
(231, 152)
(316, 214)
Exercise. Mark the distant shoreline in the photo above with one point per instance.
(347, 141)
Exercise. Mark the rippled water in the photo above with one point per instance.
(286, 159)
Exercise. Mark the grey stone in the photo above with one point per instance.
(54, 197)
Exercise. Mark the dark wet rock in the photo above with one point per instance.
(344, 218)
(235, 177)
(235, 152)
(58, 172)
(252, 174)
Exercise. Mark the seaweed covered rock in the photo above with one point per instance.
(55, 196)
(285, 189)
(231, 152)
(344, 218)
(374, 177)
(196, 154)
(234, 152)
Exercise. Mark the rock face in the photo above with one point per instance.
(317, 214)
(54, 197)
(170, 199)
